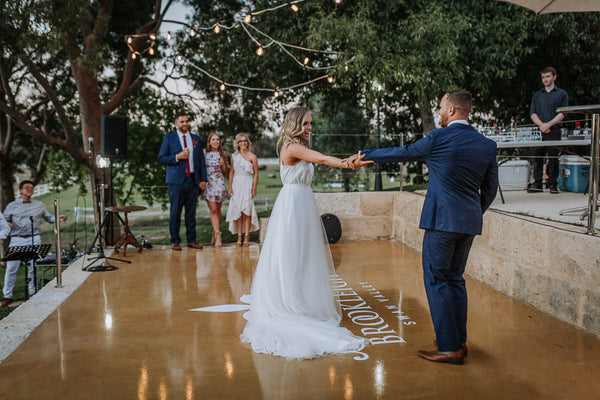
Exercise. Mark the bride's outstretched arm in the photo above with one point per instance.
(300, 152)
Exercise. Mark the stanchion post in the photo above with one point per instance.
(58, 249)
(594, 174)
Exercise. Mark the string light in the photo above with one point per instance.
(222, 87)
(346, 67)
(152, 36)
(129, 39)
(338, 1)
(192, 32)
(217, 28)
(248, 18)
(294, 7)
(179, 57)
(169, 35)
(276, 93)
(151, 51)
(306, 60)
(260, 51)
(330, 79)
(134, 55)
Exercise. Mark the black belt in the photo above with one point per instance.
(22, 236)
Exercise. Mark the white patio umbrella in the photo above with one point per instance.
(555, 6)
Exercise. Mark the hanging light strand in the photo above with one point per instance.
(278, 90)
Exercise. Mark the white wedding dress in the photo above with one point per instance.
(292, 310)
(241, 201)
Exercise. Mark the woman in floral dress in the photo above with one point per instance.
(217, 167)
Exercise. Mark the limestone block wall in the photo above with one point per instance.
(551, 269)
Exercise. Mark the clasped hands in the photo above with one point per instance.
(355, 161)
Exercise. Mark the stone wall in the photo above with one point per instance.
(547, 267)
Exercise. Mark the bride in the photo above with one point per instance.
(292, 310)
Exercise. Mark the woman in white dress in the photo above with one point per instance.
(293, 313)
(217, 168)
(243, 178)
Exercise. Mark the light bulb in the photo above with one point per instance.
(276, 93)
(306, 60)
(294, 7)
(217, 29)
(169, 35)
(129, 39)
(151, 51)
(248, 18)
(133, 56)
(338, 1)
(260, 51)
(192, 32)
(346, 68)
(152, 36)
(179, 57)
(330, 79)
(222, 87)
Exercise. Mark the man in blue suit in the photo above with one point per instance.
(463, 180)
(186, 176)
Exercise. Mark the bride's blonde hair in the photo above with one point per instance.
(292, 126)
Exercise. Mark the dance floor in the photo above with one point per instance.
(167, 326)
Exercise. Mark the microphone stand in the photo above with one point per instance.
(34, 277)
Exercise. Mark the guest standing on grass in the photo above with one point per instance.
(217, 168)
(243, 179)
(183, 155)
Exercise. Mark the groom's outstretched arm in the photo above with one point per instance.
(417, 151)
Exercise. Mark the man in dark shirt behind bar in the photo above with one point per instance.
(543, 113)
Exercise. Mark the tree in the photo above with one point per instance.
(70, 42)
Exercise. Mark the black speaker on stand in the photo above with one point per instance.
(113, 130)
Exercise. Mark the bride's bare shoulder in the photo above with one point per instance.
(289, 153)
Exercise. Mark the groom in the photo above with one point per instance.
(463, 180)
(186, 176)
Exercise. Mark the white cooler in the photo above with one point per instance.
(514, 175)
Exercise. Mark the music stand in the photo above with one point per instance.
(27, 253)
(105, 266)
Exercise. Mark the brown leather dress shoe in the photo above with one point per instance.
(452, 357)
(464, 347)
(6, 302)
(195, 245)
(176, 246)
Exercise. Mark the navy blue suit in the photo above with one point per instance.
(183, 191)
(463, 180)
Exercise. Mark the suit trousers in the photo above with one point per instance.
(180, 196)
(444, 259)
(13, 266)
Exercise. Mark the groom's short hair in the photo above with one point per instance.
(461, 99)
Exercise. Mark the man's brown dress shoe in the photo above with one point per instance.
(452, 357)
(195, 245)
(6, 302)
(176, 246)
(464, 347)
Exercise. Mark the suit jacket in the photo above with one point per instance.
(176, 168)
(463, 176)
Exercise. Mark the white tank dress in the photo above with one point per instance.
(241, 201)
(293, 313)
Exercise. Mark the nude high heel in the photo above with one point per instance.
(239, 241)
(213, 240)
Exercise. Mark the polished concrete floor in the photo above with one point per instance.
(137, 333)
